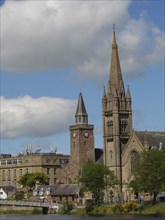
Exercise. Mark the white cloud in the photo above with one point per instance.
(46, 35)
(40, 117)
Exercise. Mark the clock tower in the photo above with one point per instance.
(81, 141)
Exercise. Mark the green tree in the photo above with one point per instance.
(150, 173)
(96, 178)
(29, 180)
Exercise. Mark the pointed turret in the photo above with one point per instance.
(104, 94)
(116, 80)
(81, 114)
(104, 101)
(128, 96)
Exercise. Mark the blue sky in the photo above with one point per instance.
(52, 50)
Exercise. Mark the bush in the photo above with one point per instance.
(129, 206)
(118, 208)
(89, 208)
(66, 208)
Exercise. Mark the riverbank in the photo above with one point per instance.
(158, 209)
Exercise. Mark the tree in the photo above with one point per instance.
(96, 178)
(150, 173)
(29, 180)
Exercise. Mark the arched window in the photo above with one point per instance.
(134, 161)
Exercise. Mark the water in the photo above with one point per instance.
(71, 217)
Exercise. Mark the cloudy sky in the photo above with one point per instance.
(51, 50)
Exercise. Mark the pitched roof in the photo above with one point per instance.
(8, 188)
(153, 138)
(65, 189)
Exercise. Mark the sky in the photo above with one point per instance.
(51, 50)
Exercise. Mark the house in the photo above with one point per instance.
(6, 191)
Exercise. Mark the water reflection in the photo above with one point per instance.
(72, 217)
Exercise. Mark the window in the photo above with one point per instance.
(134, 161)
(14, 172)
(9, 173)
(55, 180)
(3, 183)
(48, 170)
(19, 161)
(3, 173)
(14, 161)
(55, 170)
(9, 162)
(3, 162)
(123, 127)
(20, 172)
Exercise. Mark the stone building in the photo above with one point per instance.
(121, 143)
(13, 167)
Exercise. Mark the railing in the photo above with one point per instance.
(28, 204)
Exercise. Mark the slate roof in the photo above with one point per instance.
(154, 138)
(65, 190)
(7, 188)
(99, 155)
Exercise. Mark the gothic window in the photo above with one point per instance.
(134, 161)
(110, 128)
(123, 127)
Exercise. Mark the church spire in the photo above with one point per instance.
(116, 80)
(81, 114)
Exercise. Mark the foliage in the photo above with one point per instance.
(118, 208)
(150, 174)
(29, 180)
(129, 206)
(96, 178)
(109, 210)
(66, 207)
(89, 209)
(19, 196)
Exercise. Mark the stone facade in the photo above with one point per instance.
(12, 168)
(122, 144)
(81, 141)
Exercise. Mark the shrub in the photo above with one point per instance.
(66, 208)
(129, 206)
(118, 208)
(89, 208)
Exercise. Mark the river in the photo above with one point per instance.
(75, 217)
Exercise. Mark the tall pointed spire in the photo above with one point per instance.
(116, 80)
(81, 114)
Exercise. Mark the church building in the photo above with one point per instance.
(121, 143)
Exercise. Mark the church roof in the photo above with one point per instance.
(153, 138)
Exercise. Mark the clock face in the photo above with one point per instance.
(86, 134)
(74, 134)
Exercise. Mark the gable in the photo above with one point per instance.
(134, 144)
